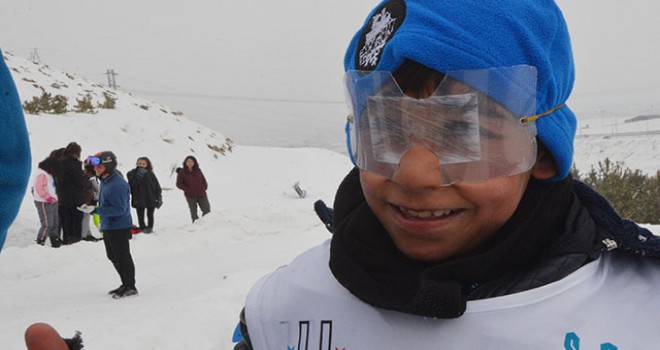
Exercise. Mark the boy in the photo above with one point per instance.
(460, 227)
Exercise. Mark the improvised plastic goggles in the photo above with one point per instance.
(479, 123)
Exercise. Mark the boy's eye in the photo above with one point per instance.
(490, 135)
(458, 127)
(492, 112)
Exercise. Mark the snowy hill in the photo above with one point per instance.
(134, 122)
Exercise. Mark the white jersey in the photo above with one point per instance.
(611, 303)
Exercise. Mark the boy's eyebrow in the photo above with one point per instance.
(495, 110)
(485, 133)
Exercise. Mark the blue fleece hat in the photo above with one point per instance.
(14, 152)
(476, 34)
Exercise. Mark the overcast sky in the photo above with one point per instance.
(239, 66)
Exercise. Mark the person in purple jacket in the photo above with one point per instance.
(192, 182)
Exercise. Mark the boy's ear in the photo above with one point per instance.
(545, 166)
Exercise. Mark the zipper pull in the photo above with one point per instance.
(610, 244)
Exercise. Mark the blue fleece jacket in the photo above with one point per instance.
(114, 203)
(15, 156)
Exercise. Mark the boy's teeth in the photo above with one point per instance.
(425, 214)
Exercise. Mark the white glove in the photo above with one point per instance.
(86, 208)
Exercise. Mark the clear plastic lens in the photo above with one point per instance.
(474, 129)
(447, 125)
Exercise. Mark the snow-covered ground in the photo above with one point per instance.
(192, 278)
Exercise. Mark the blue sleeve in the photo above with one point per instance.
(238, 336)
(15, 157)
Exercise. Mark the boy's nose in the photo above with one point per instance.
(418, 168)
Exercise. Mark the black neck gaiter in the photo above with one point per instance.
(365, 260)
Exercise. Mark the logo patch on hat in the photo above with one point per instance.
(375, 35)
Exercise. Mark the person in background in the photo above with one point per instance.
(146, 194)
(192, 182)
(91, 191)
(460, 226)
(69, 186)
(56, 169)
(57, 154)
(45, 199)
(116, 222)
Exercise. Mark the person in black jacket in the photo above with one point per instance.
(146, 192)
(70, 183)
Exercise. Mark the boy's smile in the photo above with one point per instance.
(430, 222)
(426, 214)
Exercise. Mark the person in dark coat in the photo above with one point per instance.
(70, 183)
(192, 182)
(146, 192)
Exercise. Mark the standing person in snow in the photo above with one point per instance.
(56, 170)
(116, 222)
(146, 193)
(91, 191)
(460, 226)
(69, 186)
(45, 199)
(57, 154)
(192, 182)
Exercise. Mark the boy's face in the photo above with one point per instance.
(430, 222)
(433, 218)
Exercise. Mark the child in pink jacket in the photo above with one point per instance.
(45, 199)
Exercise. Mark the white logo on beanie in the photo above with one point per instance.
(382, 27)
